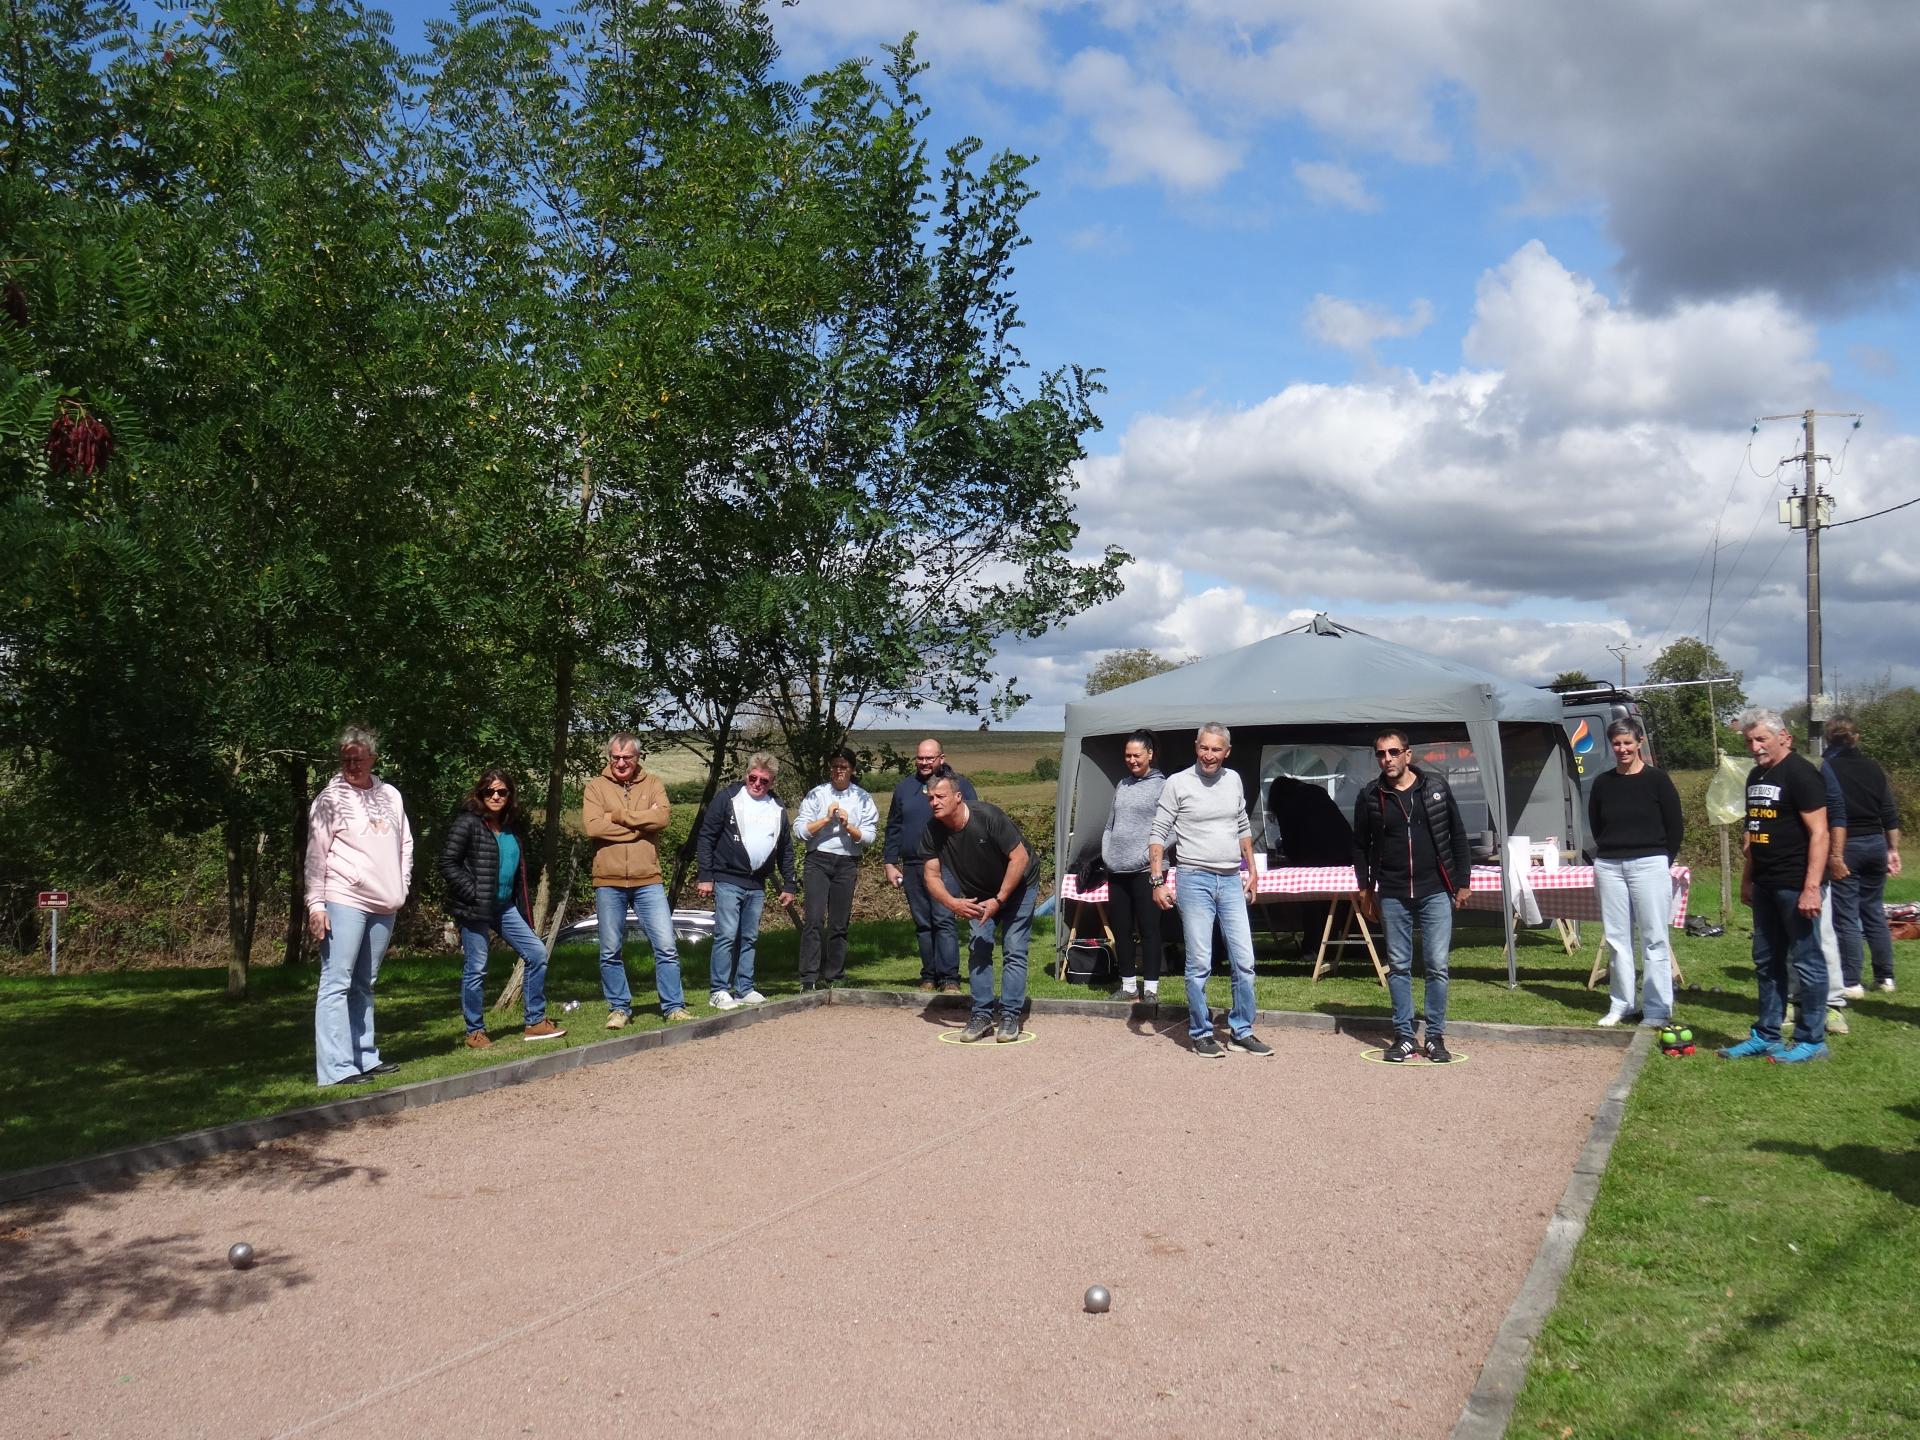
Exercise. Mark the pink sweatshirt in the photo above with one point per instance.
(359, 848)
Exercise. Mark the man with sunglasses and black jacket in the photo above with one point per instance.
(1411, 858)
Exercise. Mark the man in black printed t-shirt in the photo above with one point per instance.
(1782, 879)
(980, 868)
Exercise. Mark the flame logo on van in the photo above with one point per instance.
(1583, 739)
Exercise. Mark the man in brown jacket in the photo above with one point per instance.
(625, 811)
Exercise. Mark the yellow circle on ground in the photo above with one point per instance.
(952, 1037)
(1379, 1057)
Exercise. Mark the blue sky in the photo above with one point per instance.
(1452, 316)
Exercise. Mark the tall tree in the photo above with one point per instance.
(1572, 680)
(1687, 721)
(1123, 667)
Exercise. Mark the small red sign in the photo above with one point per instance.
(53, 899)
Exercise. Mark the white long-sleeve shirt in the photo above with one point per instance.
(834, 840)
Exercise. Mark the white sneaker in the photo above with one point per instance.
(1855, 992)
(721, 1000)
(753, 997)
(1836, 1022)
(1886, 985)
(1615, 1014)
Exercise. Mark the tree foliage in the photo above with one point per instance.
(1689, 721)
(577, 374)
(1123, 667)
(1572, 680)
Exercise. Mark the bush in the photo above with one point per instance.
(1046, 768)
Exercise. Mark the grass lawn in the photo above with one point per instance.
(1752, 1267)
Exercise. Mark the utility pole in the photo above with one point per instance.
(1620, 653)
(1811, 509)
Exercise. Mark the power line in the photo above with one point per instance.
(1836, 524)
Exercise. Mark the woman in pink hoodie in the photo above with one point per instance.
(359, 868)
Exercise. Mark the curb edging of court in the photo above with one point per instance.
(177, 1150)
(1489, 1406)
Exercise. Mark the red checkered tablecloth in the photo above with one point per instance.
(1563, 892)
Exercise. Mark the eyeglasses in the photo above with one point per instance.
(499, 790)
(1388, 753)
(759, 780)
(624, 759)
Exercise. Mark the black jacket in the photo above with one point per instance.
(722, 853)
(470, 864)
(1871, 808)
(1441, 814)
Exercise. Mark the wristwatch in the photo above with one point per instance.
(1156, 881)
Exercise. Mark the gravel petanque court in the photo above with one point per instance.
(829, 1224)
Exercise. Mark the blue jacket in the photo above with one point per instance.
(909, 815)
(722, 854)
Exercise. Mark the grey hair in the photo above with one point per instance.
(1758, 717)
(1214, 727)
(761, 760)
(362, 735)
(1625, 726)
(622, 737)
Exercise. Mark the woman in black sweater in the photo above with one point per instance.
(1634, 813)
(484, 865)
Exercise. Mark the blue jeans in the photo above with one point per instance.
(933, 927)
(515, 930)
(736, 928)
(1435, 916)
(1785, 939)
(1860, 911)
(1204, 897)
(649, 903)
(1637, 895)
(1015, 925)
(343, 1009)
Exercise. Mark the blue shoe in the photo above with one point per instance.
(1799, 1054)
(1752, 1047)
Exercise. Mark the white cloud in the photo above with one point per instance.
(1100, 238)
(1354, 327)
(1146, 130)
(1327, 183)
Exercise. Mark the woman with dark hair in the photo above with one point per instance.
(484, 864)
(1871, 854)
(1123, 845)
(1634, 813)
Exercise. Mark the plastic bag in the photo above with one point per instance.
(1727, 791)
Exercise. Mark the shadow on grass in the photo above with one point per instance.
(58, 1274)
(1897, 1172)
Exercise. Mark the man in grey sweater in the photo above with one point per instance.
(1203, 813)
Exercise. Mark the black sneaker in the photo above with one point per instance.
(978, 1028)
(1436, 1049)
(1249, 1044)
(1009, 1030)
(1401, 1050)
(1132, 997)
(1208, 1048)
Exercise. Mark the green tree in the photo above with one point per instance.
(1572, 680)
(1687, 721)
(1123, 667)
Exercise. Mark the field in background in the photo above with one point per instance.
(972, 752)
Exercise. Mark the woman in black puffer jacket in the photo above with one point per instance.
(484, 865)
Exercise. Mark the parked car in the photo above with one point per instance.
(688, 926)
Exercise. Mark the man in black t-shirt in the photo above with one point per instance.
(980, 868)
(1782, 880)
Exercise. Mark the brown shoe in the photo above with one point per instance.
(679, 1012)
(927, 987)
(952, 987)
(616, 1020)
(545, 1030)
(477, 1040)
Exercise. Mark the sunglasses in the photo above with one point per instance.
(759, 780)
(499, 790)
(1388, 753)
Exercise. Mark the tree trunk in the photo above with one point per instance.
(293, 952)
(241, 869)
(556, 780)
(716, 767)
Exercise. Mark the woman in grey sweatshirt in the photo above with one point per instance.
(1123, 845)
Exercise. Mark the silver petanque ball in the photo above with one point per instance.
(240, 1255)
(1097, 1300)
